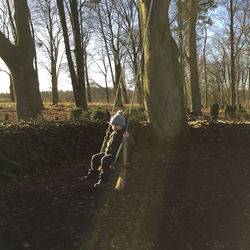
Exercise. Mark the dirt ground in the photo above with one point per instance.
(196, 197)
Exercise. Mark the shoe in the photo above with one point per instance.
(89, 179)
(101, 184)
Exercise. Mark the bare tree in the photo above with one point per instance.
(109, 29)
(77, 76)
(19, 58)
(230, 54)
(130, 39)
(103, 69)
(49, 37)
(9, 30)
(86, 28)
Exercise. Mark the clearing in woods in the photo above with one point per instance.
(194, 197)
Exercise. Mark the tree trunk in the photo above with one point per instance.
(118, 71)
(141, 69)
(248, 92)
(124, 90)
(181, 49)
(106, 88)
(54, 82)
(205, 64)
(53, 55)
(192, 54)
(139, 87)
(12, 94)
(237, 85)
(232, 68)
(77, 79)
(87, 76)
(162, 85)
(20, 59)
(78, 55)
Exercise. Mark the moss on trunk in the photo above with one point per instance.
(163, 88)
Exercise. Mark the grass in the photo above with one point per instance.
(51, 112)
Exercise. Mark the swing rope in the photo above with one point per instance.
(124, 141)
(124, 62)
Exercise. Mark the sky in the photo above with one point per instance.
(64, 82)
(44, 80)
(4, 78)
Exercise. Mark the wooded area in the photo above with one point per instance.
(212, 60)
(187, 161)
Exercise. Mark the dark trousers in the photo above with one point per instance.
(103, 160)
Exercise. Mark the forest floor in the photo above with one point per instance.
(195, 197)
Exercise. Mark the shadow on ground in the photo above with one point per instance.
(193, 198)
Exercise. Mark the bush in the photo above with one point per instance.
(99, 114)
(214, 111)
(230, 113)
(137, 114)
(32, 147)
(75, 114)
(239, 106)
(85, 115)
(242, 115)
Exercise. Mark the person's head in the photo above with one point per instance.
(118, 121)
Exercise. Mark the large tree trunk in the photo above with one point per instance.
(162, 86)
(192, 54)
(20, 61)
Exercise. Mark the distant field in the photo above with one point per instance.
(61, 111)
(50, 112)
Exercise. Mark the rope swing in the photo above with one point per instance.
(124, 144)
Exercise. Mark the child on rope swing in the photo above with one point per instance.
(108, 152)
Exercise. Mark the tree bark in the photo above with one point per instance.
(12, 94)
(232, 66)
(54, 81)
(53, 52)
(87, 76)
(192, 60)
(162, 83)
(248, 92)
(181, 48)
(118, 70)
(78, 55)
(205, 65)
(20, 61)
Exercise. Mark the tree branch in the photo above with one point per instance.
(7, 49)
